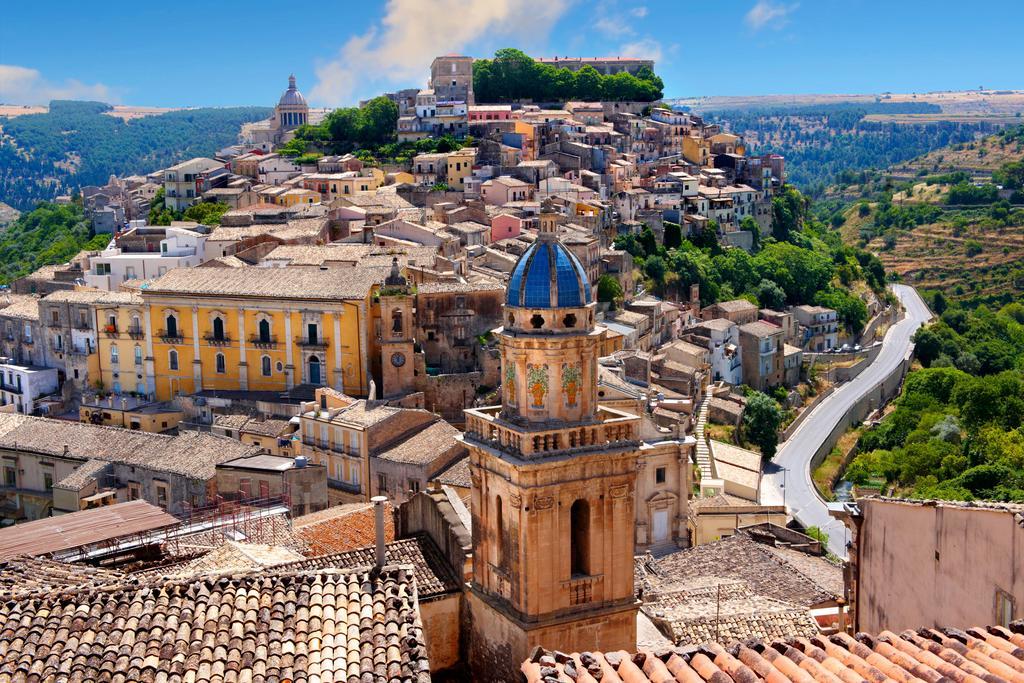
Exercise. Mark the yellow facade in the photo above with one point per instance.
(297, 195)
(143, 419)
(460, 167)
(196, 357)
(697, 149)
(120, 357)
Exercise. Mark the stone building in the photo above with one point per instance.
(554, 479)
(451, 78)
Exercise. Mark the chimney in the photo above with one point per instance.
(378, 514)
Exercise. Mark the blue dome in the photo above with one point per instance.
(548, 275)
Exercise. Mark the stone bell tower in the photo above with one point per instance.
(553, 478)
(396, 335)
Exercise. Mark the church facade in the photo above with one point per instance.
(553, 478)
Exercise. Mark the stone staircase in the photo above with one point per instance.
(704, 461)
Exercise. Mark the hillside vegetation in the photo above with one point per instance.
(956, 432)
(827, 143)
(76, 143)
(49, 234)
(953, 232)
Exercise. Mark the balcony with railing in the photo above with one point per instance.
(214, 340)
(313, 342)
(612, 428)
(266, 342)
(136, 332)
(171, 337)
(110, 330)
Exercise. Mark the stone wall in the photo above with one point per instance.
(877, 396)
(448, 395)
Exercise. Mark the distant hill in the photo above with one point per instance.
(823, 143)
(940, 223)
(77, 143)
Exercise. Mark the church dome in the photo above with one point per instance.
(291, 96)
(548, 275)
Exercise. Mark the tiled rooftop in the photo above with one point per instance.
(293, 283)
(342, 528)
(424, 446)
(812, 581)
(456, 474)
(191, 454)
(37, 575)
(353, 624)
(433, 575)
(992, 654)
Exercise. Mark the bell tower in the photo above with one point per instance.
(396, 335)
(553, 479)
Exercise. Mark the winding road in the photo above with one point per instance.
(788, 478)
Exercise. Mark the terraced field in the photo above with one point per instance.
(974, 267)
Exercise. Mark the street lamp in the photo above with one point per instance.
(783, 487)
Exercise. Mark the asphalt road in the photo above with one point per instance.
(788, 478)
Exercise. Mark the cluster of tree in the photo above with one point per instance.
(762, 417)
(49, 234)
(78, 143)
(801, 269)
(825, 143)
(968, 193)
(204, 213)
(952, 435)
(347, 129)
(513, 75)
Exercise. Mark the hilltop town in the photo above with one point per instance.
(448, 388)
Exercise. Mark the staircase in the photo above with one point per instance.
(704, 462)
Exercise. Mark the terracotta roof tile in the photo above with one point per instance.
(434, 577)
(342, 528)
(343, 624)
(991, 654)
(26, 575)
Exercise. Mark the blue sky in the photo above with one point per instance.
(228, 52)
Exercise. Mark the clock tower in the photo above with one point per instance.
(553, 479)
(396, 341)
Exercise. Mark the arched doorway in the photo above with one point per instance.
(314, 370)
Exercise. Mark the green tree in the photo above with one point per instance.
(817, 534)
(770, 295)
(673, 235)
(761, 420)
(608, 289)
(655, 269)
(587, 84)
(206, 213)
(927, 345)
(377, 122)
(939, 303)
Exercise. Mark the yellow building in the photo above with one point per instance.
(258, 329)
(460, 167)
(297, 195)
(121, 345)
(697, 149)
(131, 413)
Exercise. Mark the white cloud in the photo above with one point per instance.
(648, 48)
(613, 27)
(639, 12)
(768, 14)
(22, 85)
(399, 49)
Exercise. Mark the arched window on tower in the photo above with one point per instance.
(579, 542)
(499, 534)
(396, 322)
